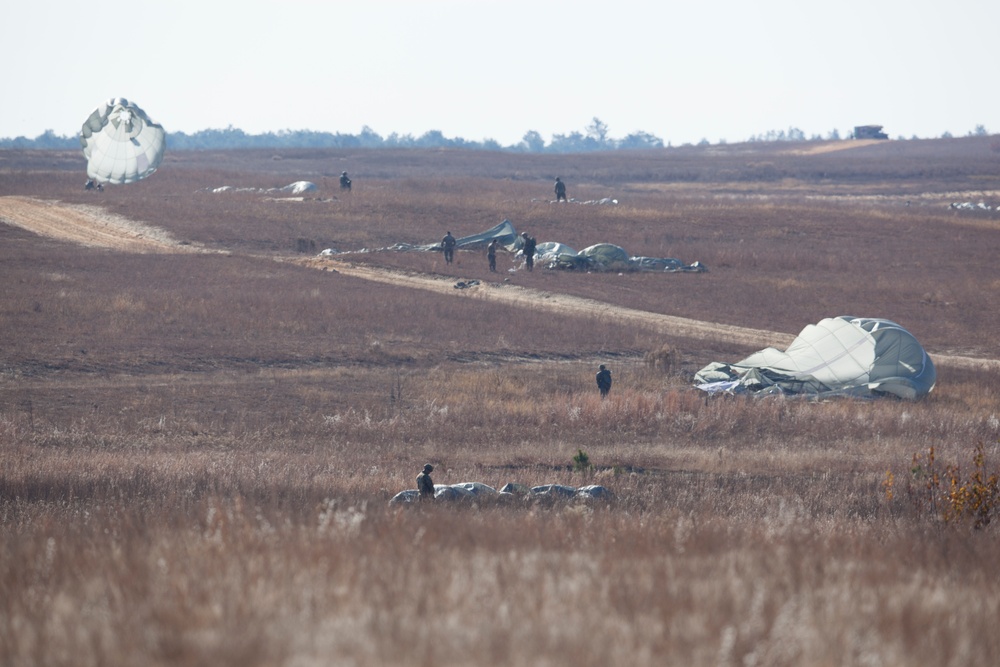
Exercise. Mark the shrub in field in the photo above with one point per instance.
(664, 359)
(973, 498)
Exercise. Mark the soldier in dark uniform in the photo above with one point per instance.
(604, 381)
(529, 250)
(560, 190)
(491, 254)
(345, 182)
(448, 244)
(425, 486)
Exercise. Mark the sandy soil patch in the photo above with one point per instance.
(831, 146)
(88, 226)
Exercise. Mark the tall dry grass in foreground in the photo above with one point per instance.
(741, 532)
(226, 581)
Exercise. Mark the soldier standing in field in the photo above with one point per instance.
(560, 190)
(529, 250)
(448, 244)
(491, 254)
(425, 486)
(604, 381)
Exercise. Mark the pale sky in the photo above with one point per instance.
(483, 69)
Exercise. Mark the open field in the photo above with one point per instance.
(201, 422)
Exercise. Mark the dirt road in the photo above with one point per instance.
(564, 304)
(90, 226)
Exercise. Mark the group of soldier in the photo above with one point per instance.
(560, 187)
(449, 242)
(529, 243)
(425, 485)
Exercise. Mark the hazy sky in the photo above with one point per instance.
(479, 69)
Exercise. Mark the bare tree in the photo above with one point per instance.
(598, 131)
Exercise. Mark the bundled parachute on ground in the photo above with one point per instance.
(853, 356)
(607, 257)
(121, 143)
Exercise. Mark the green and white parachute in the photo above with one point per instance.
(847, 356)
(121, 143)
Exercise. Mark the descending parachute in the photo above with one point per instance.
(121, 143)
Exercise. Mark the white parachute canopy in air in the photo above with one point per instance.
(854, 356)
(121, 143)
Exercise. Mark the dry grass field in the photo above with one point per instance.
(201, 423)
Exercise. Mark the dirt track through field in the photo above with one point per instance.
(93, 227)
(564, 304)
(88, 226)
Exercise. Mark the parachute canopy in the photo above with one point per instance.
(504, 234)
(121, 143)
(852, 356)
(555, 255)
(607, 256)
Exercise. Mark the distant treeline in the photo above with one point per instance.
(594, 138)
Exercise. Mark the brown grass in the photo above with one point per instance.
(198, 450)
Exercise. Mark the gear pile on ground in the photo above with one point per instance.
(478, 490)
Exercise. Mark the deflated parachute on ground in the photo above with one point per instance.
(607, 257)
(474, 490)
(554, 255)
(121, 143)
(504, 233)
(851, 356)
